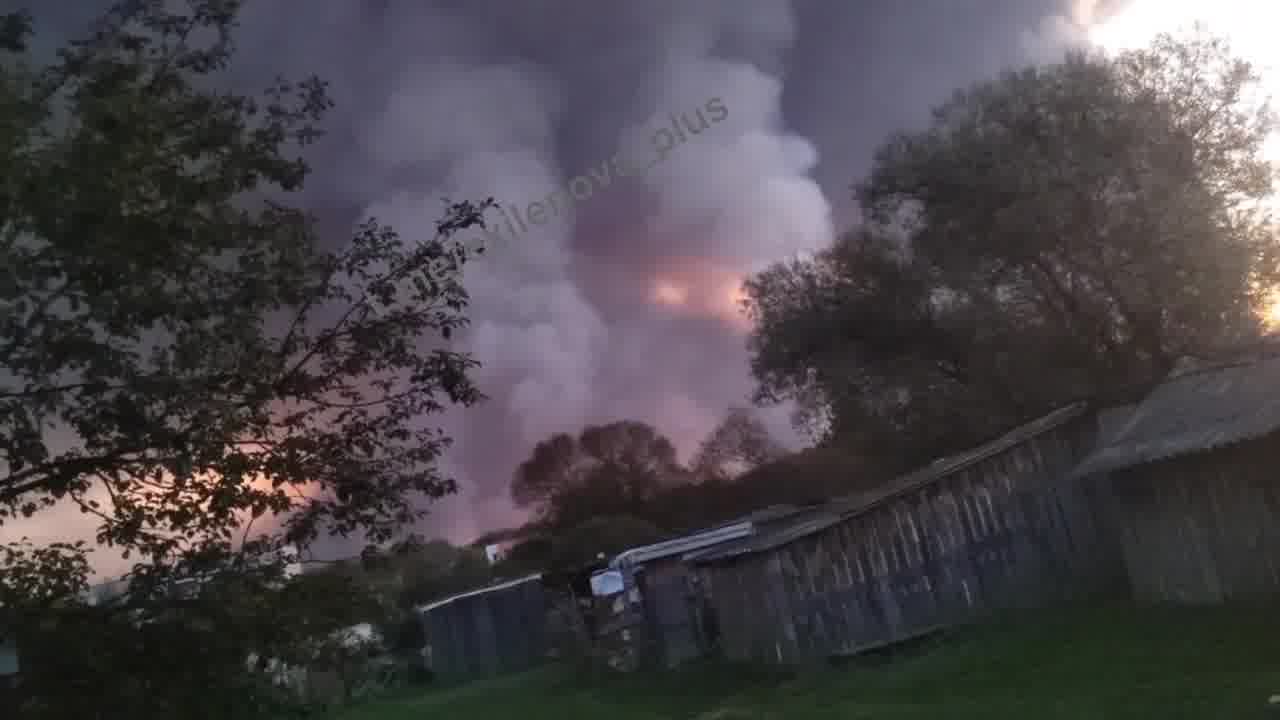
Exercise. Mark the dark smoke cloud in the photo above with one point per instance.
(474, 98)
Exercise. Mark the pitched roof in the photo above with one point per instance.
(1200, 407)
(944, 467)
(478, 591)
(682, 545)
(814, 520)
(773, 534)
(693, 543)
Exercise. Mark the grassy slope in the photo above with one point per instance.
(1204, 664)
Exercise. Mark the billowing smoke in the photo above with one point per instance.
(536, 337)
(622, 302)
(691, 167)
(1068, 28)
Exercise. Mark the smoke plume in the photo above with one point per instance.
(624, 304)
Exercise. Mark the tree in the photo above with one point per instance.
(531, 555)
(242, 624)
(1059, 232)
(738, 444)
(865, 341)
(608, 469)
(605, 535)
(180, 355)
(555, 463)
(437, 569)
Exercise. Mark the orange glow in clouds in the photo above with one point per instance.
(667, 293)
(698, 289)
(735, 296)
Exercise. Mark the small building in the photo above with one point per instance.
(486, 632)
(994, 527)
(660, 613)
(1194, 484)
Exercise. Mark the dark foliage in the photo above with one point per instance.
(1063, 231)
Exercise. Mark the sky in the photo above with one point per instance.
(621, 305)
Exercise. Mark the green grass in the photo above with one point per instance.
(1208, 664)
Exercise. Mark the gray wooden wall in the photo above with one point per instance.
(1203, 528)
(489, 633)
(672, 632)
(1007, 531)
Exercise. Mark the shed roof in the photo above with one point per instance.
(682, 545)
(479, 591)
(832, 513)
(944, 467)
(691, 543)
(779, 532)
(1200, 407)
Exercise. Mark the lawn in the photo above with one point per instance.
(1209, 664)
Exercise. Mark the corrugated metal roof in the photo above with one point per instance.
(1112, 421)
(1195, 410)
(825, 516)
(479, 591)
(773, 512)
(692, 543)
(780, 532)
(681, 545)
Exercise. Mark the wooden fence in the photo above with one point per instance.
(999, 529)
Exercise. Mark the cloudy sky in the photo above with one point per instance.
(621, 307)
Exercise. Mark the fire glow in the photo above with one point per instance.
(698, 290)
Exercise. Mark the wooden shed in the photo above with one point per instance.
(490, 631)
(1195, 482)
(668, 627)
(997, 526)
